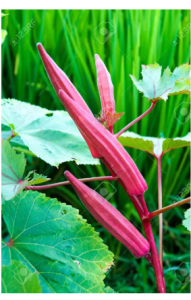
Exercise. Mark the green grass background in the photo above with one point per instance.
(135, 37)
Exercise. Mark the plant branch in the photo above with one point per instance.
(155, 257)
(164, 209)
(159, 176)
(49, 186)
(11, 136)
(25, 151)
(154, 253)
(136, 120)
(141, 207)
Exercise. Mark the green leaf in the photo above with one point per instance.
(3, 35)
(156, 87)
(176, 143)
(16, 141)
(53, 241)
(50, 135)
(36, 178)
(154, 146)
(18, 278)
(109, 290)
(13, 167)
(187, 221)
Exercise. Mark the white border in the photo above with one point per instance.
(98, 4)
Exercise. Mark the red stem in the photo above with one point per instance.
(49, 186)
(136, 120)
(155, 258)
(141, 207)
(159, 174)
(166, 208)
(154, 253)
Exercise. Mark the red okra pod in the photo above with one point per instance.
(59, 81)
(108, 146)
(110, 218)
(105, 86)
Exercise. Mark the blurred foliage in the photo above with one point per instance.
(132, 38)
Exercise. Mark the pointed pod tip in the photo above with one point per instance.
(39, 45)
(62, 93)
(69, 176)
(65, 98)
(66, 173)
(96, 56)
(42, 51)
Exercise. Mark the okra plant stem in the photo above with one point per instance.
(141, 207)
(153, 248)
(49, 186)
(155, 258)
(164, 209)
(159, 175)
(136, 120)
(11, 136)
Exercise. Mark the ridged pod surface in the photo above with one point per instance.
(110, 218)
(108, 146)
(59, 81)
(105, 87)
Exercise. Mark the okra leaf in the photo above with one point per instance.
(156, 87)
(187, 221)
(36, 178)
(18, 278)
(109, 290)
(15, 142)
(50, 135)
(13, 167)
(55, 244)
(154, 146)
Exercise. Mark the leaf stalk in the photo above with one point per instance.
(136, 120)
(167, 208)
(53, 185)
